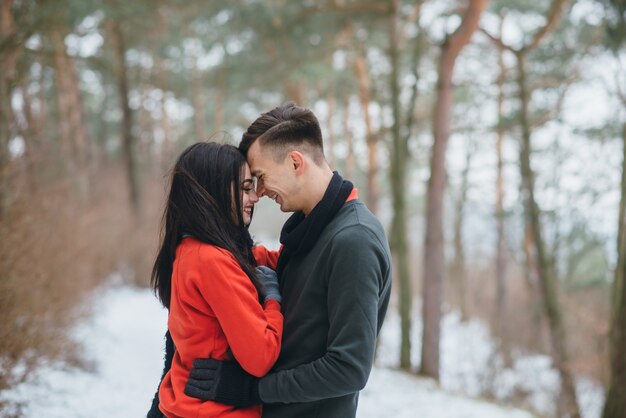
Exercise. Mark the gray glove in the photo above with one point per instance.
(269, 280)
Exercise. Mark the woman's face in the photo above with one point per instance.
(249, 194)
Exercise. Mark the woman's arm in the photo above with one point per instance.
(253, 331)
(265, 257)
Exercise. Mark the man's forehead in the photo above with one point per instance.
(255, 169)
(255, 159)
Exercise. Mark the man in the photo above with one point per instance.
(335, 280)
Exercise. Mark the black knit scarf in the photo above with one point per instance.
(300, 233)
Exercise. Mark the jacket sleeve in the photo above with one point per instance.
(253, 331)
(358, 264)
(265, 257)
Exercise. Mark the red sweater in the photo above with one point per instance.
(214, 306)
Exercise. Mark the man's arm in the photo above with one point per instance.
(170, 348)
(357, 266)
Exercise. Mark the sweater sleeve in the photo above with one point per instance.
(357, 265)
(253, 331)
(265, 257)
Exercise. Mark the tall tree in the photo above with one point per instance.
(458, 268)
(117, 40)
(72, 123)
(8, 50)
(615, 404)
(362, 74)
(544, 262)
(399, 156)
(350, 171)
(401, 132)
(501, 258)
(433, 243)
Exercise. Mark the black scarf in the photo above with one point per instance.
(300, 233)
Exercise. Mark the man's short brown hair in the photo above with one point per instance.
(284, 128)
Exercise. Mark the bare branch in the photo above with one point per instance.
(554, 14)
(462, 35)
(495, 40)
(334, 6)
(565, 85)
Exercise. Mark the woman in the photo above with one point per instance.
(219, 306)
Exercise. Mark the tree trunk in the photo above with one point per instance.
(146, 134)
(73, 130)
(197, 93)
(615, 405)
(399, 241)
(295, 91)
(347, 134)
(130, 161)
(218, 120)
(545, 269)
(458, 271)
(362, 75)
(168, 146)
(31, 136)
(7, 76)
(433, 245)
(499, 318)
(330, 138)
(531, 276)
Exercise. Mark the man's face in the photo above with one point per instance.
(275, 180)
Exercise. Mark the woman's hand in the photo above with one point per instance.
(269, 280)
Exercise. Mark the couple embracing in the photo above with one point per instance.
(254, 332)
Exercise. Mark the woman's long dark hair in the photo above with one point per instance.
(205, 183)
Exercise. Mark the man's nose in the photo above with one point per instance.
(260, 190)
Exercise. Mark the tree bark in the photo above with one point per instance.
(433, 245)
(218, 120)
(399, 241)
(347, 134)
(458, 270)
(199, 107)
(500, 262)
(544, 263)
(295, 91)
(547, 278)
(7, 75)
(362, 75)
(128, 146)
(72, 125)
(146, 133)
(615, 404)
(31, 136)
(330, 138)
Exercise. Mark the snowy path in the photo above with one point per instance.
(124, 341)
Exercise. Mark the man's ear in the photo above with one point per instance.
(297, 161)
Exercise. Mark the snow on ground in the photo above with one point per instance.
(470, 365)
(124, 341)
(395, 394)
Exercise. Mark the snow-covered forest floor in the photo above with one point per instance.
(123, 342)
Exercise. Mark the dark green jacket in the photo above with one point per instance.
(334, 302)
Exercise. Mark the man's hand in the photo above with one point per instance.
(224, 382)
(269, 279)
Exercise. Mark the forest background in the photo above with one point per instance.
(489, 137)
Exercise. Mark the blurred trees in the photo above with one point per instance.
(97, 98)
(615, 405)
(433, 242)
(545, 267)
